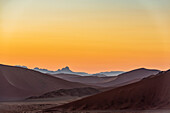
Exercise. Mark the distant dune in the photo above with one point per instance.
(85, 79)
(130, 77)
(17, 83)
(150, 93)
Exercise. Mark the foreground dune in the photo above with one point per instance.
(150, 93)
(18, 83)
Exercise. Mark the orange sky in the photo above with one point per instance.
(89, 36)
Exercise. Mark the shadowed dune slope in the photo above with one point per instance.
(79, 92)
(130, 77)
(17, 83)
(150, 93)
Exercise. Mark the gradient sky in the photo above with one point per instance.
(87, 35)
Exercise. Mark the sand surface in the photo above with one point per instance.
(34, 106)
(38, 106)
(18, 83)
(150, 93)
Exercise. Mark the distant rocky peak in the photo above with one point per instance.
(36, 68)
(66, 69)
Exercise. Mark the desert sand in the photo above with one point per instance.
(34, 105)
(150, 93)
(130, 77)
(18, 83)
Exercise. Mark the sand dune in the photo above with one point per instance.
(130, 77)
(17, 83)
(110, 81)
(78, 92)
(150, 93)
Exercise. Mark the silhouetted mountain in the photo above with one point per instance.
(65, 70)
(99, 75)
(43, 70)
(111, 73)
(22, 66)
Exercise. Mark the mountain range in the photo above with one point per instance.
(67, 70)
